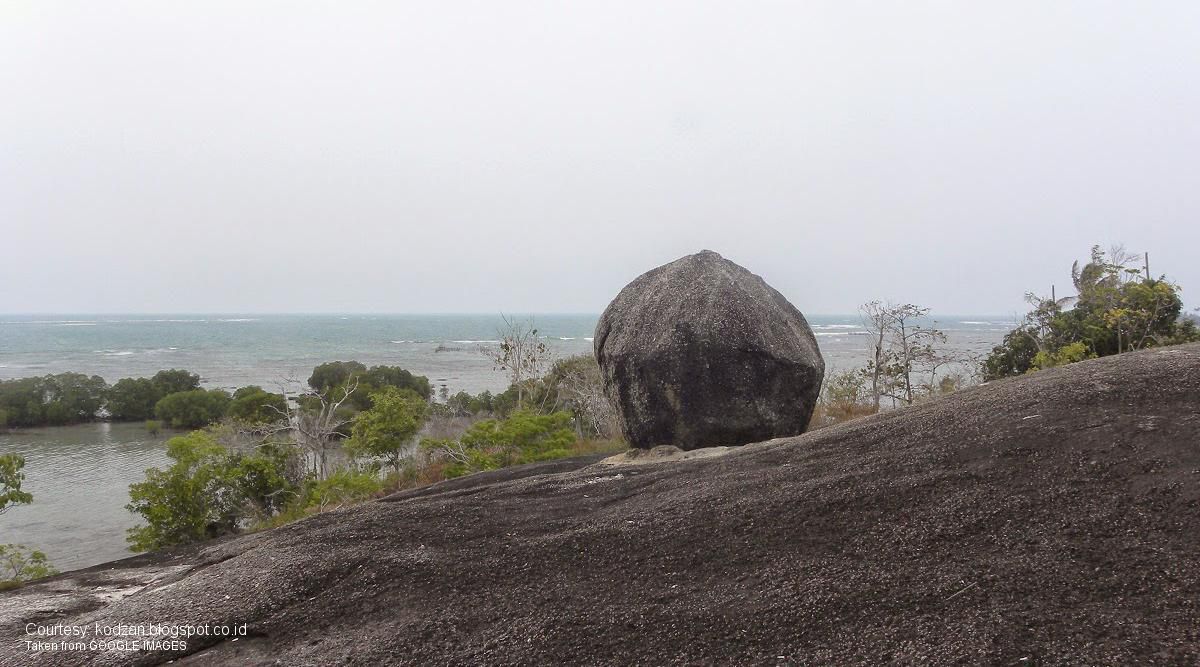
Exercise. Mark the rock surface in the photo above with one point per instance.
(1044, 520)
(701, 352)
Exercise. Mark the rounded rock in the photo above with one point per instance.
(701, 352)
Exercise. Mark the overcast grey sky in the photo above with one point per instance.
(536, 156)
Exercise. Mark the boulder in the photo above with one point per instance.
(701, 352)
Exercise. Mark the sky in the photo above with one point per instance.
(449, 156)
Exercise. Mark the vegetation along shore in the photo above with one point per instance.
(255, 458)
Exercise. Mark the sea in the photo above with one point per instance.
(80, 475)
(235, 350)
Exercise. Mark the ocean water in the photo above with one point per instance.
(230, 351)
(80, 475)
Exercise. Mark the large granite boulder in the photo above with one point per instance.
(701, 352)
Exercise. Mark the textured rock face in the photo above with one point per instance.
(974, 534)
(701, 352)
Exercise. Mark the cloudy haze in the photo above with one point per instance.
(523, 156)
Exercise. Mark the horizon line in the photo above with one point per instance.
(933, 315)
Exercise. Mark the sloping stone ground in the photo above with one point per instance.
(1050, 519)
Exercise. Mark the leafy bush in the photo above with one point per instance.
(1067, 354)
(1118, 309)
(844, 396)
(254, 405)
(66, 398)
(133, 399)
(388, 428)
(78, 396)
(11, 478)
(463, 404)
(264, 480)
(207, 492)
(378, 377)
(330, 378)
(334, 373)
(174, 381)
(524, 437)
(424, 472)
(21, 402)
(344, 487)
(1013, 356)
(193, 409)
(19, 564)
(573, 384)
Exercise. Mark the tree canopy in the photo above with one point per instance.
(332, 377)
(208, 491)
(1119, 307)
(387, 429)
(193, 409)
(55, 400)
(255, 405)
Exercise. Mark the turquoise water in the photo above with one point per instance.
(80, 475)
(236, 350)
(230, 351)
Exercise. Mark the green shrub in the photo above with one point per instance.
(19, 564)
(193, 409)
(333, 377)
(344, 487)
(463, 404)
(263, 481)
(334, 373)
(1118, 308)
(254, 405)
(524, 437)
(526, 434)
(387, 429)
(133, 399)
(66, 398)
(1014, 356)
(174, 381)
(11, 478)
(207, 492)
(1068, 354)
(844, 396)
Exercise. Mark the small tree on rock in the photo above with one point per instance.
(906, 355)
(387, 430)
(521, 353)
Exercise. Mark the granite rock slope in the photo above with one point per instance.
(1049, 519)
